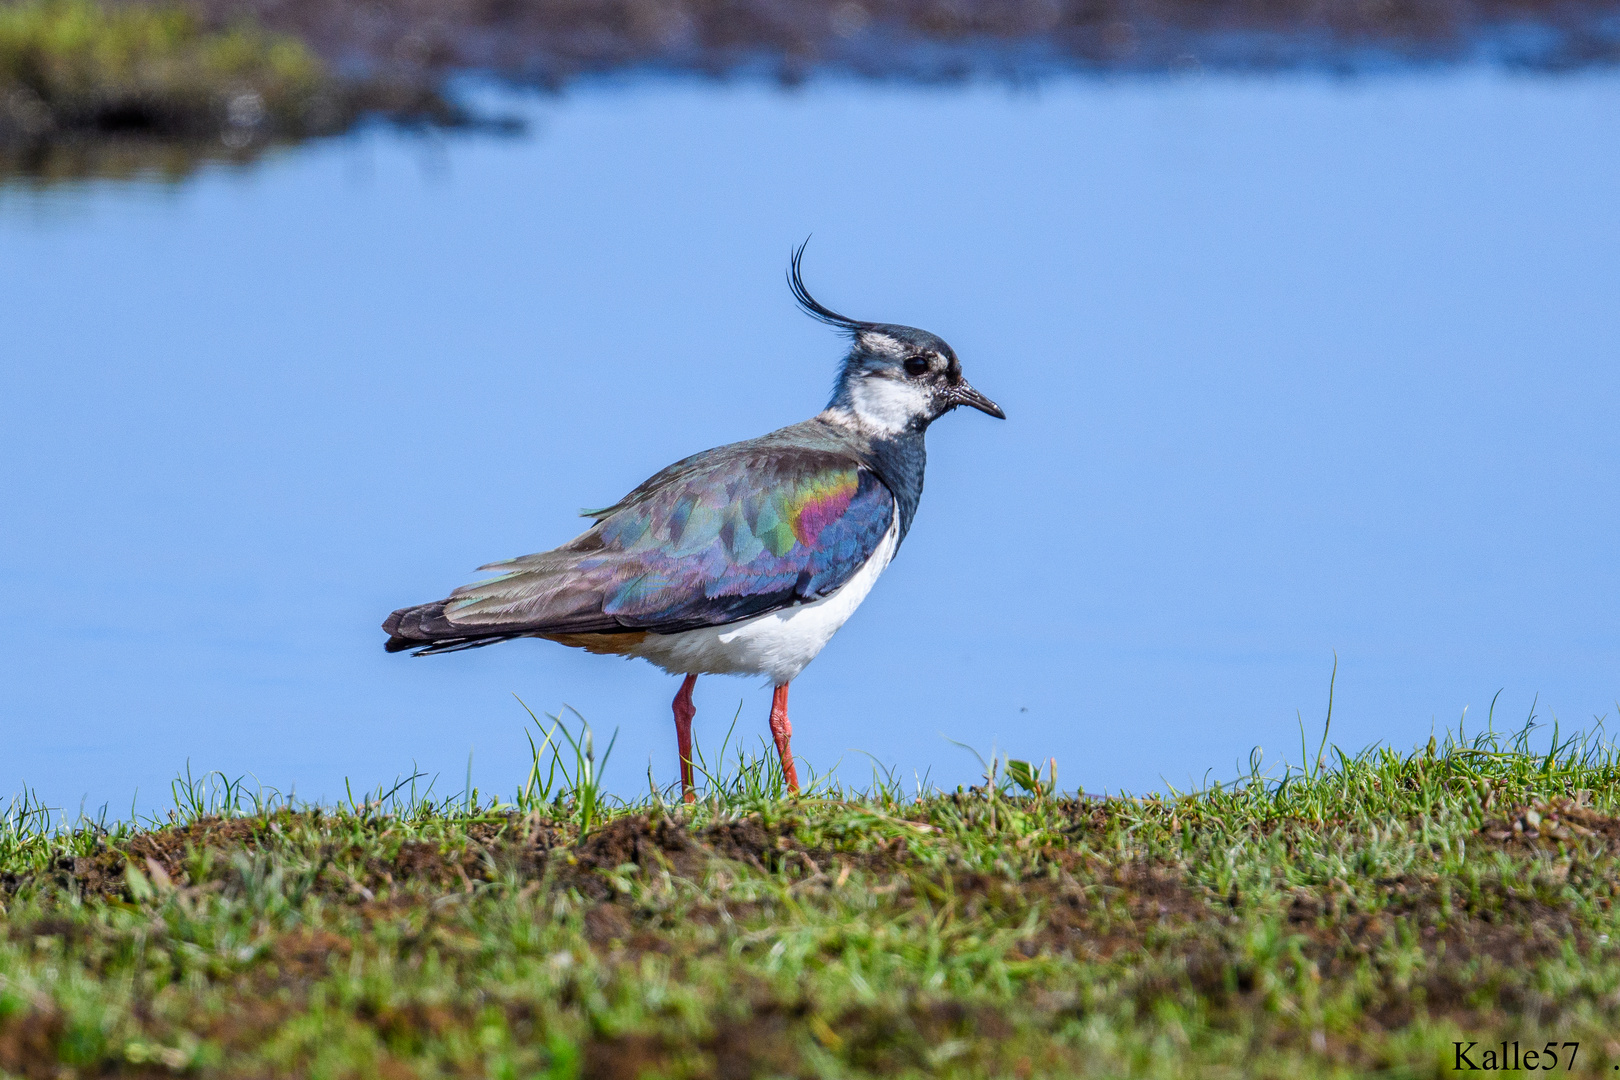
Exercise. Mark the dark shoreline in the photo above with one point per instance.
(549, 44)
(393, 58)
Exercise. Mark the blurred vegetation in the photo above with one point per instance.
(73, 65)
(94, 89)
(1361, 914)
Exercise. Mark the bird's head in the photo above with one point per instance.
(895, 378)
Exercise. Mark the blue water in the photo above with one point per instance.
(1293, 367)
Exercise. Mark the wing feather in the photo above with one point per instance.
(718, 538)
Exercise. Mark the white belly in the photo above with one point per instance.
(778, 645)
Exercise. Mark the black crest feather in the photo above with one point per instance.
(813, 307)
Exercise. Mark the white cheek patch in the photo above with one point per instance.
(881, 345)
(887, 405)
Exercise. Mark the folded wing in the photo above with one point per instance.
(724, 538)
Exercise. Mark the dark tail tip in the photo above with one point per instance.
(404, 627)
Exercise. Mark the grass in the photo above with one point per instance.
(1361, 915)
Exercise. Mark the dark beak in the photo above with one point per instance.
(963, 394)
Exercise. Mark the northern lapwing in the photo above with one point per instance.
(741, 560)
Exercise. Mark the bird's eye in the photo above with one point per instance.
(916, 365)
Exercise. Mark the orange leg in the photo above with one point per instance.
(782, 731)
(684, 711)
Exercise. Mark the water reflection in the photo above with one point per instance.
(46, 162)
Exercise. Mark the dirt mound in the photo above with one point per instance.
(747, 840)
(1547, 823)
(634, 841)
(165, 851)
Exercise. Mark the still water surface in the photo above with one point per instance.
(1293, 367)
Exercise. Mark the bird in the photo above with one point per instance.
(741, 560)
